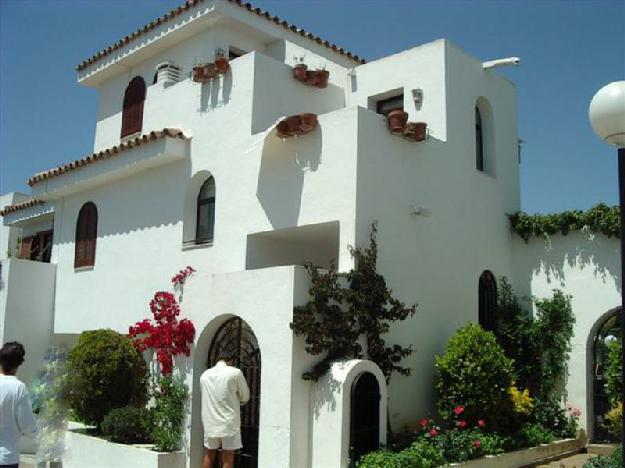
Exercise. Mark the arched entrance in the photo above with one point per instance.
(608, 329)
(364, 416)
(236, 337)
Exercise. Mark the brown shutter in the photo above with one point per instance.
(25, 247)
(132, 115)
(86, 235)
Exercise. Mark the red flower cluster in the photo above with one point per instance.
(167, 335)
(428, 428)
(181, 277)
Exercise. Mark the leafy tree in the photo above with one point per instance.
(348, 306)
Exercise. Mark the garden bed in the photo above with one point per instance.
(85, 450)
(525, 457)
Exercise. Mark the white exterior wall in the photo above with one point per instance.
(262, 183)
(588, 268)
(435, 259)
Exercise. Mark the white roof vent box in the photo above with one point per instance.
(167, 73)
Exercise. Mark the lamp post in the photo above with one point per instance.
(607, 118)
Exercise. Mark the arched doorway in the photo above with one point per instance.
(364, 416)
(607, 330)
(237, 337)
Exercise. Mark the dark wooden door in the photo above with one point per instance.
(236, 337)
(365, 416)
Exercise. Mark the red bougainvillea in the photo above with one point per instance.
(181, 276)
(166, 335)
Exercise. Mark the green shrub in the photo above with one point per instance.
(474, 373)
(387, 459)
(613, 461)
(127, 425)
(170, 397)
(426, 453)
(106, 372)
(613, 372)
(532, 435)
(421, 454)
(551, 415)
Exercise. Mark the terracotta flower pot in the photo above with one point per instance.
(318, 78)
(415, 131)
(222, 65)
(203, 73)
(289, 127)
(308, 123)
(397, 121)
(300, 72)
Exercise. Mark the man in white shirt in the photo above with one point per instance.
(16, 414)
(224, 390)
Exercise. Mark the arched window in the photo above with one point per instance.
(132, 115)
(479, 141)
(488, 300)
(86, 235)
(205, 221)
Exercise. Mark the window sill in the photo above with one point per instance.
(191, 245)
(83, 268)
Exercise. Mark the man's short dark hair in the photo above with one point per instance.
(11, 356)
(227, 356)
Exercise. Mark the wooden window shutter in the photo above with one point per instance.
(86, 235)
(27, 243)
(132, 115)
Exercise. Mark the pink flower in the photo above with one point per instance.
(458, 409)
(433, 432)
(476, 444)
(423, 422)
(481, 423)
(461, 424)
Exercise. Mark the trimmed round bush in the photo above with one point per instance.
(475, 374)
(106, 372)
(127, 425)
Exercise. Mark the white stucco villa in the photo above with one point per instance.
(188, 168)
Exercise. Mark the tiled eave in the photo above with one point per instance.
(27, 212)
(193, 3)
(131, 157)
(107, 153)
(21, 206)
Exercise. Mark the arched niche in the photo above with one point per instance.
(332, 410)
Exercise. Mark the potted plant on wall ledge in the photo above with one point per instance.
(317, 78)
(297, 125)
(221, 63)
(204, 72)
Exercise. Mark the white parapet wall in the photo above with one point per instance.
(331, 415)
(587, 267)
(28, 311)
(86, 451)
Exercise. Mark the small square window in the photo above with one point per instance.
(384, 106)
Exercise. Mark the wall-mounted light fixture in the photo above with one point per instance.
(417, 97)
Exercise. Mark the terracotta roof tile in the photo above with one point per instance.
(21, 206)
(107, 153)
(192, 3)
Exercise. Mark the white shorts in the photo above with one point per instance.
(226, 443)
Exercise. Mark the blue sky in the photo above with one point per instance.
(569, 49)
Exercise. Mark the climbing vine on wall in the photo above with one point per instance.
(602, 219)
(348, 309)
